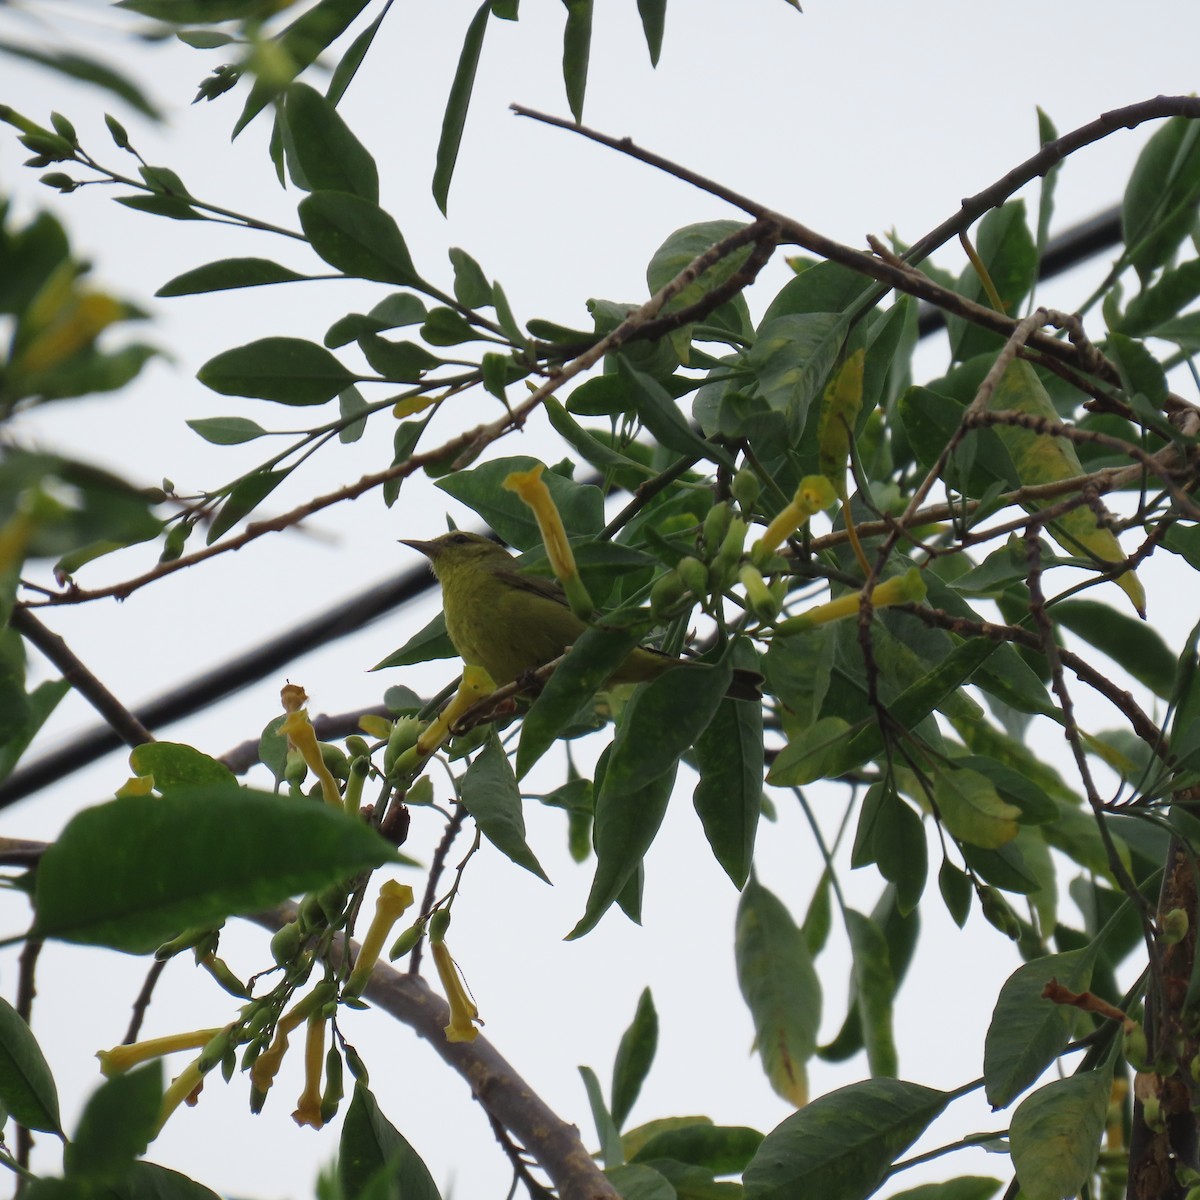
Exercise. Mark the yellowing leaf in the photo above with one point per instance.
(1039, 458)
(839, 413)
(971, 808)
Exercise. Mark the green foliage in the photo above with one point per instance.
(910, 636)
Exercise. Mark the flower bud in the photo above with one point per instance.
(406, 941)
(759, 598)
(1174, 926)
(439, 922)
(746, 487)
(694, 575)
(716, 526)
(1135, 1047)
(997, 912)
(286, 943)
(668, 594)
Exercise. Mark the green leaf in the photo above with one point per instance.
(965, 1187)
(622, 469)
(457, 103)
(1165, 298)
(353, 409)
(723, 1149)
(625, 825)
(971, 808)
(1046, 133)
(27, 1089)
(1142, 377)
(357, 237)
(87, 70)
(728, 797)
(780, 987)
(891, 834)
(1159, 205)
(635, 1053)
(299, 45)
(174, 765)
(471, 287)
(612, 1154)
(843, 1143)
(371, 1147)
(149, 1181)
(1133, 645)
(577, 46)
(397, 362)
(1185, 727)
(1007, 250)
(661, 416)
(580, 504)
(284, 369)
(491, 796)
(226, 275)
(654, 19)
(568, 693)
(791, 359)
(115, 876)
(874, 988)
(929, 419)
(430, 643)
(1055, 1134)
(118, 1123)
(662, 722)
(348, 64)
(171, 207)
(227, 431)
(1027, 1033)
(322, 152)
(447, 327)
(247, 495)
(955, 886)
(636, 1181)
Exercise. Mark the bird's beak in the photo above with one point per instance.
(426, 548)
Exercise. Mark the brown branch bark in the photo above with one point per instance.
(1159, 1146)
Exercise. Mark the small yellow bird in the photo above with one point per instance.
(509, 623)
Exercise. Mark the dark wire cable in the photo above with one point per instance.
(1070, 248)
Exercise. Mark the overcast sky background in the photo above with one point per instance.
(853, 118)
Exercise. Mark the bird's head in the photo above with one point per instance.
(459, 551)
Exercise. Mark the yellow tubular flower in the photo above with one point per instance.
(302, 737)
(266, 1065)
(394, 900)
(532, 489)
(476, 683)
(900, 589)
(120, 1059)
(814, 493)
(308, 1107)
(184, 1087)
(463, 1013)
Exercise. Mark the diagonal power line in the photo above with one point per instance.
(1073, 246)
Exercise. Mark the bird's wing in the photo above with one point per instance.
(548, 589)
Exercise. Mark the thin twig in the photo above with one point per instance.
(142, 1001)
(26, 991)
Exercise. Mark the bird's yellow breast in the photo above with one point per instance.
(503, 628)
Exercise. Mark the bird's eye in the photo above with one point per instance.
(461, 539)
